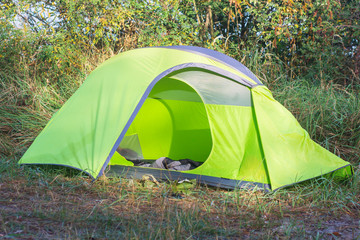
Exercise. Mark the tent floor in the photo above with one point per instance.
(170, 175)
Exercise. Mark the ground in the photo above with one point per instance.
(37, 203)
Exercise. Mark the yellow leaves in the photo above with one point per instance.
(231, 14)
(7, 6)
(25, 28)
(103, 21)
(297, 26)
(277, 31)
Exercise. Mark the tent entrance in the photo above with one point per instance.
(171, 123)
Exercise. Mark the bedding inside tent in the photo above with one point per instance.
(199, 115)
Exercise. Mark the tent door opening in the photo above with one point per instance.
(171, 123)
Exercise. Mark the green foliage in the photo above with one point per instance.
(297, 48)
(306, 52)
(308, 36)
(162, 23)
(314, 38)
(331, 116)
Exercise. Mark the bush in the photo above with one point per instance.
(297, 48)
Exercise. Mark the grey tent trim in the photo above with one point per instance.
(165, 174)
(220, 57)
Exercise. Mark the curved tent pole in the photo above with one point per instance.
(220, 57)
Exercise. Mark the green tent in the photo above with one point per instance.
(182, 102)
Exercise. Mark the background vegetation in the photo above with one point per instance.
(306, 52)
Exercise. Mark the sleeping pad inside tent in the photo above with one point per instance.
(181, 103)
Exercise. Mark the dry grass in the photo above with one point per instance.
(46, 203)
(40, 72)
(58, 203)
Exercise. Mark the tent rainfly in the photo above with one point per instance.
(182, 102)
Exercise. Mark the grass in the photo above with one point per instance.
(53, 202)
(61, 203)
(331, 115)
(45, 203)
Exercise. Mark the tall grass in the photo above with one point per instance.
(329, 112)
(331, 115)
(53, 202)
(29, 96)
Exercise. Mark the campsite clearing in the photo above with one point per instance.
(43, 203)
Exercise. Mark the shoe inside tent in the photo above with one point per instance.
(182, 102)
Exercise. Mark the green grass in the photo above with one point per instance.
(55, 202)
(39, 71)
(43, 203)
(61, 203)
(331, 115)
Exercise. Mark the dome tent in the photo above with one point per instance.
(182, 102)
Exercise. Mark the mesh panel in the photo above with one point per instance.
(130, 147)
(216, 89)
